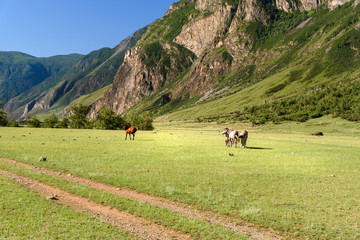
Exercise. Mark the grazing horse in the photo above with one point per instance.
(244, 136)
(226, 133)
(234, 138)
(231, 136)
(130, 130)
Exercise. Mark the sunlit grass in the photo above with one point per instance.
(25, 215)
(290, 181)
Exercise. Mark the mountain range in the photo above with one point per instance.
(207, 60)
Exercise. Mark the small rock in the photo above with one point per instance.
(54, 197)
(118, 189)
(317, 134)
(43, 143)
(42, 159)
(23, 136)
(332, 175)
(231, 154)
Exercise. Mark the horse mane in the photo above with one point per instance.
(126, 127)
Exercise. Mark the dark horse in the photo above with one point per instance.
(130, 130)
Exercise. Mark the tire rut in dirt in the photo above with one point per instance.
(180, 208)
(137, 226)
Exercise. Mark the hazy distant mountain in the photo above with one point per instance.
(20, 72)
(53, 89)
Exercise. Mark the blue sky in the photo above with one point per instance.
(44, 28)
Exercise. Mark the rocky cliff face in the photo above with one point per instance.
(216, 32)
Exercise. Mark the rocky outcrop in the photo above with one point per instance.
(308, 5)
(335, 3)
(199, 34)
(133, 81)
(215, 32)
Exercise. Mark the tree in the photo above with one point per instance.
(141, 121)
(51, 121)
(3, 117)
(63, 123)
(13, 123)
(78, 119)
(107, 119)
(34, 122)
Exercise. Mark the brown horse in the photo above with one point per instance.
(130, 130)
(244, 136)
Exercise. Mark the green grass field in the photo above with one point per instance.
(24, 215)
(302, 185)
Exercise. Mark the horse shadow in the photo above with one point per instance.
(259, 148)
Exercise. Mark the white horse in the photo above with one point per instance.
(231, 137)
(234, 138)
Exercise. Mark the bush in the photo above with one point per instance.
(141, 121)
(34, 122)
(13, 123)
(63, 123)
(78, 119)
(51, 121)
(107, 119)
(3, 117)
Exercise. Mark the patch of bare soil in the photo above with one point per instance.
(138, 226)
(180, 208)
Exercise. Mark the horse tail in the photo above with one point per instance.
(134, 130)
(237, 138)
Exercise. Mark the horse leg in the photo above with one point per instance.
(125, 136)
(133, 136)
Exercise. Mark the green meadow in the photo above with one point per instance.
(25, 215)
(301, 185)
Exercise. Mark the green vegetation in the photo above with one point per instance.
(20, 72)
(340, 99)
(34, 122)
(43, 219)
(142, 121)
(51, 121)
(78, 119)
(154, 53)
(301, 185)
(168, 27)
(107, 119)
(3, 116)
(13, 123)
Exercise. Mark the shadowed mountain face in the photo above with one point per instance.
(19, 72)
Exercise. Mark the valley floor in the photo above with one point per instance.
(179, 182)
